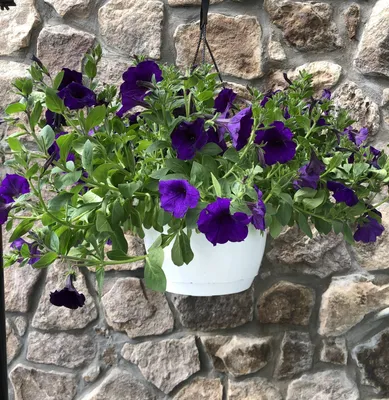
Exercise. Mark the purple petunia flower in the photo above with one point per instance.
(68, 297)
(369, 229)
(279, 146)
(215, 136)
(342, 194)
(189, 137)
(177, 196)
(326, 94)
(267, 97)
(258, 210)
(69, 77)
(32, 247)
(54, 149)
(4, 210)
(376, 155)
(219, 226)
(240, 126)
(77, 96)
(356, 137)
(132, 90)
(54, 120)
(309, 174)
(286, 113)
(12, 186)
(224, 102)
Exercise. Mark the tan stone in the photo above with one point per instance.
(175, 3)
(352, 17)
(360, 107)
(34, 384)
(235, 43)
(110, 70)
(158, 361)
(62, 349)
(61, 46)
(12, 340)
(286, 303)
(201, 389)
(372, 57)
(346, 302)
(275, 51)
(136, 310)
(75, 8)
(306, 26)
(133, 26)
(49, 317)
(245, 355)
(253, 389)
(385, 97)
(334, 350)
(16, 26)
(21, 325)
(212, 345)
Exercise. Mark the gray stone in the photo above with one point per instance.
(245, 355)
(360, 107)
(120, 385)
(326, 385)
(133, 27)
(110, 356)
(253, 389)
(49, 317)
(334, 350)
(21, 325)
(62, 349)
(33, 384)
(12, 340)
(17, 25)
(175, 3)
(19, 285)
(9, 71)
(135, 244)
(110, 70)
(136, 310)
(373, 56)
(347, 301)
(372, 358)
(75, 8)
(385, 97)
(296, 355)
(286, 303)
(158, 361)
(275, 51)
(62, 46)
(306, 26)
(240, 35)
(321, 256)
(212, 345)
(215, 312)
(92, 373)
(352, 17)
(201, 389)
(373, 256)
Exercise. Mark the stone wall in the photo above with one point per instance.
(314, 323)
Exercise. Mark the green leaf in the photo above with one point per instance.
(323, 226)
(159, 173)
(46, 260)
(304, 225)
(14, 144)
(211, 149)
(177, 256)
(64, 143)
(128, 189)
(177, 166)
(54, 241)
(36, 114)
(204, 96)
(312, 203)
(232, 155)
(21, 229)
(155, 278)
(87, 156)
(118, 255)
(197, 174)
(157, 145)
(303, 193)
(216, 185)
(186, 249)
(100, 272)
(303, 122)
(95, 117)
(117, 215)
(102, 224)
(25, 251)
(360, 168)
(348, 234)
(119, 241)
(58, 79)
(53, 102)
(335, 161)
(68, 179)
(90, 69)
(47, 136)
(101, 172)
(337, 226)
(284, 213)
(275, 228)
(192, 215)
(15, 108)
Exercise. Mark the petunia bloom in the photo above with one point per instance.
(342, 194)
(69, 77)
(54, 149)
(32, 247)
(177, 196)
(215, 136)
(278, 143)
(309, 174)
(189, 137)
(267, 97)
(376, 155)
(219, 226)
(12, 186)
(326, 94)
(54, 120)
(133, 91)
(258, 210)
(68, 297)
(240, 126)
(224, 102)
(369, 229)
(357, 137)
(4, 210)
(77, 96)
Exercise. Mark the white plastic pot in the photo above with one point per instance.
(215, 270)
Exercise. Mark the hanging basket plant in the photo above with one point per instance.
(198, 174)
